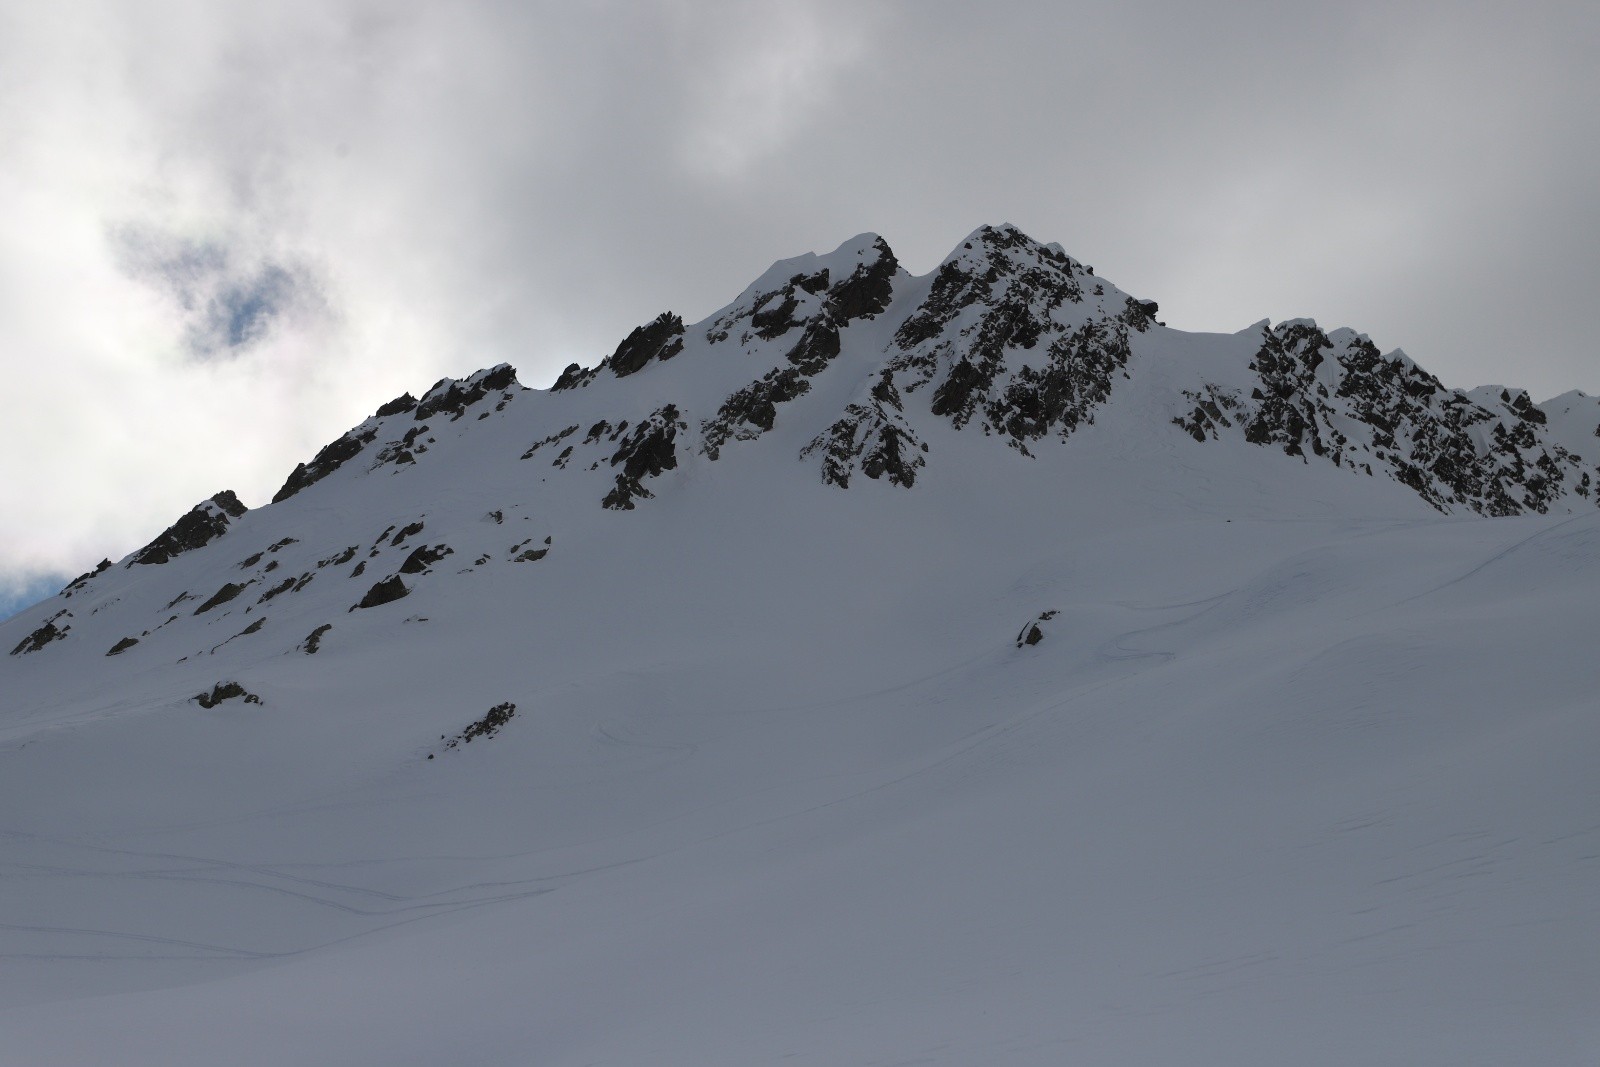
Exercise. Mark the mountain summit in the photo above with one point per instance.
(1020, 342)
(956, 668)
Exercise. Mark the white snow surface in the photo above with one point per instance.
(1303, 770)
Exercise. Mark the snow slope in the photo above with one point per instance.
(1299, 769)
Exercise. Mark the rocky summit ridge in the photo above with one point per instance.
(1018, 341)
(1021, 342)
(863, 373)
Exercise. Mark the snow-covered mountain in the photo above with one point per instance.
(954, 669)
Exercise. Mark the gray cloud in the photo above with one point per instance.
(227, 305)
(333, 202)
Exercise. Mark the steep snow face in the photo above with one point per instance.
(963, 668)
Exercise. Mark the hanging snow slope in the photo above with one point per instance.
(1299, 769)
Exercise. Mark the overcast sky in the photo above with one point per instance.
(231, 230)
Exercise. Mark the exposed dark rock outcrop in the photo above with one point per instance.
(774, 313)
(1014, 287)
(313, 642)
(1075, 379)
(407, 531)
(874, 437)
(1210, 414)
(83, 579)
(47, 632)
(752, 410)
(1033, 632)
(555, 438)
(282, 587)
(424, 557)
(1337, 398)
(576, 376)
(222, 596)
(818, 346)
(385, 592)
(645, 453)
(866, 292)
(225, 691)
(344, 556)
(521, 553)
(660, 340)
(813, 299)
(452, 397)
(863, 294)
(1001, 256)
(204, 523)
(1007, 340)
(398, 406)
(122, 646)
(488, 726)
(289, 585)
(332, 456)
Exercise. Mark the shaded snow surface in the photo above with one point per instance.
(1301, 771)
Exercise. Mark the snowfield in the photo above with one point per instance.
(1302, 769)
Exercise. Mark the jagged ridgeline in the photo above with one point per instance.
(1009, 337)
(845, 369)
(1016, 340)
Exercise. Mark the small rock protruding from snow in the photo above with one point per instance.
(487, 726)
(313, 641)
(225, 691)
(1034, 631)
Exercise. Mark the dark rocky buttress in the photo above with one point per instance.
(1336, 398)
(204, 523)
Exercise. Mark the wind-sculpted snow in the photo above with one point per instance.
(1282, 765)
